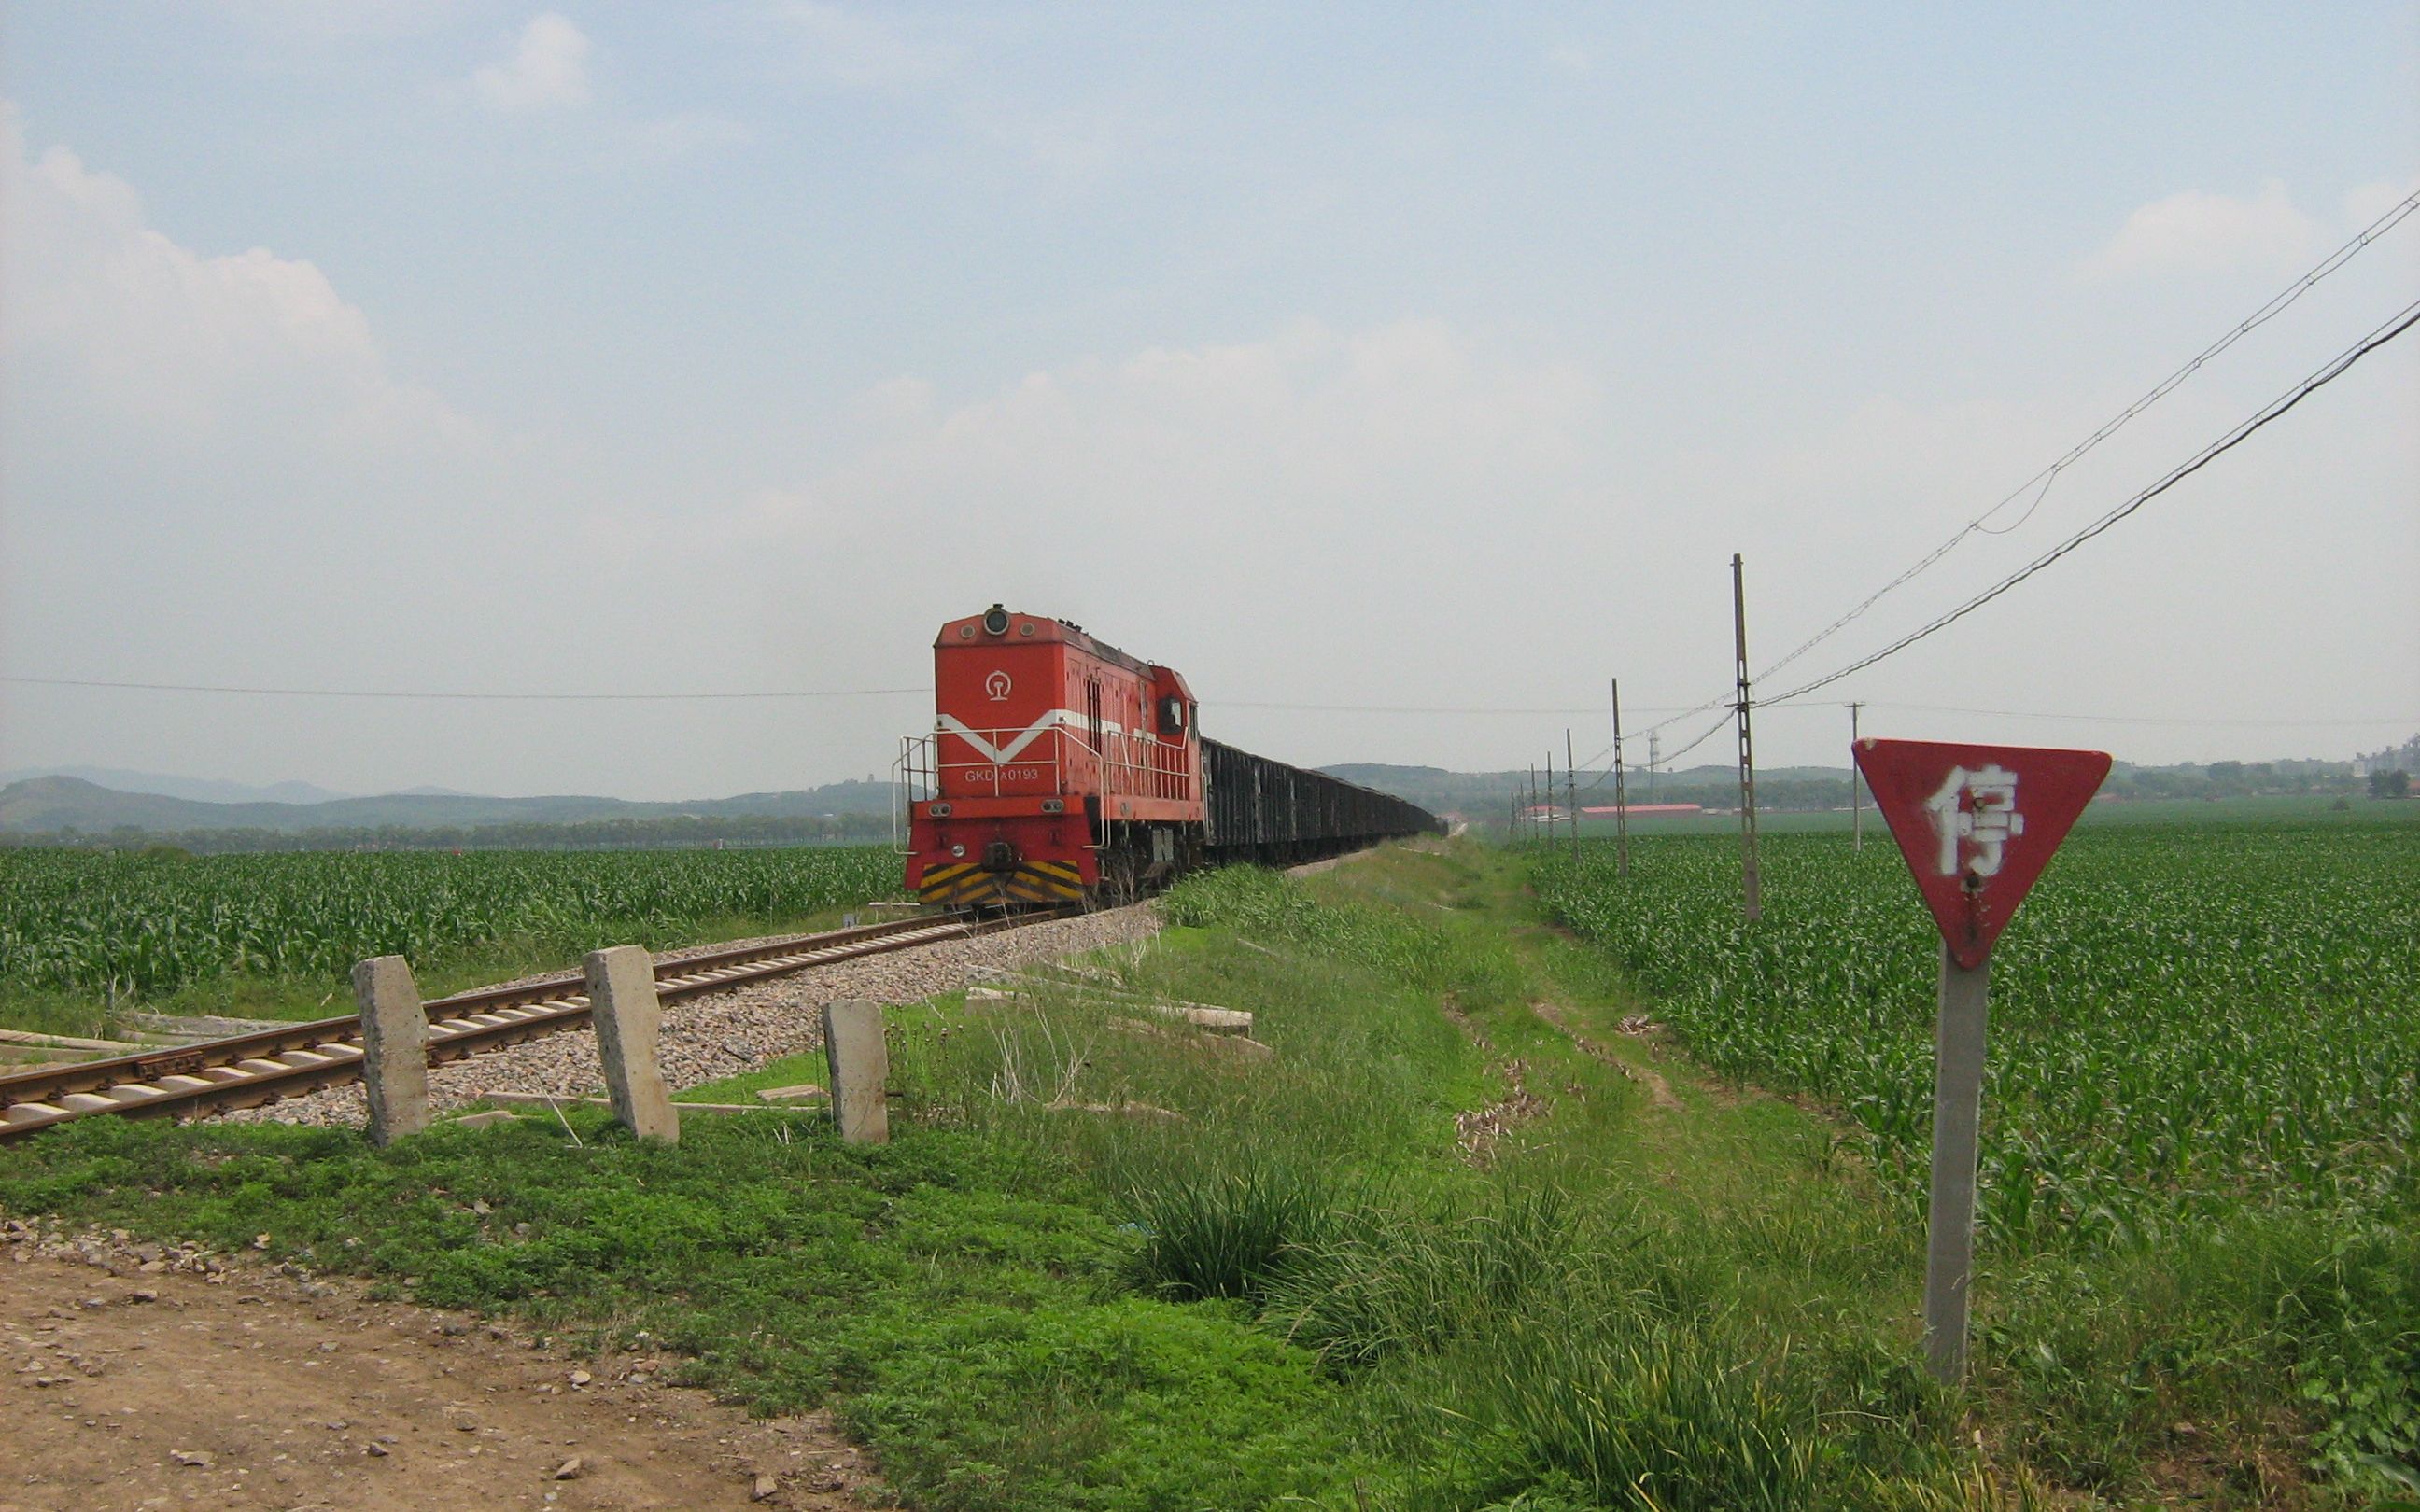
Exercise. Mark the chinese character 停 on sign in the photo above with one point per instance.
(1975, 815)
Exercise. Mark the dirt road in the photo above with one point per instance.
(244, 1389)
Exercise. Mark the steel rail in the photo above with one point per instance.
(248, 1069)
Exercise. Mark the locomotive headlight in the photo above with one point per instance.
(1054, 806)
(995, 621)
(957, 850)
(939, 810)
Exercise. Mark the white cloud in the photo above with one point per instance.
(671, 138)
(1565, 57)
(122, 321)
(2194, 232)
(1074, 147)
(1219, 483)
(548, 69)
(852, 49)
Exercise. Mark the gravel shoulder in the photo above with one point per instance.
(727, 1033)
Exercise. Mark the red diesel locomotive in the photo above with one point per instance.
(1060, 769)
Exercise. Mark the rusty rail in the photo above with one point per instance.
(248, 1069)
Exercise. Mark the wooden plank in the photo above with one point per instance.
(65, 1042)
(540, 1100)
(791, 1094)
(1204, 1016)
(32, 1054)
(198, 1026)
(1227, 1044)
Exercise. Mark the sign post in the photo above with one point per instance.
(1977, 825)
(1957, 1122)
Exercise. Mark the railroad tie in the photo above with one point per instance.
(271, 1061)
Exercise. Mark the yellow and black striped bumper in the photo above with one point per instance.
(963, 883)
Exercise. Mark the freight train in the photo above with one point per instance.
(1062, 770)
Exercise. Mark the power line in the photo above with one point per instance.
(1710, 730)
(1707, 734)
(2393, 327)
(501, 698)
(1388, 708)
(2394, 720)
(2396, 326)
(755, 693)
(2277, 305)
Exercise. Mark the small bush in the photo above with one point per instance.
(1393, 1282)
(1662, 1418)
(1228, 1231)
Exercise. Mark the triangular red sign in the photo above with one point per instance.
(1978, 823)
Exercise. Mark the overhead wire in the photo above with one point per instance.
(673, 697)
(2394, 327)
(1386, 708)
(2396, 721)
(474, 697)
(2277, 305)
(2335, 367)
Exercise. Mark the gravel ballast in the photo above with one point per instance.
(723, 1034)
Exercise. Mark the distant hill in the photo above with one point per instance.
(200, 788)
(1485, 795)
(51, 805)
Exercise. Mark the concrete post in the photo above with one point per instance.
(860, 1066)
(622, 1004)
(395, 1048)
(1957, 1116)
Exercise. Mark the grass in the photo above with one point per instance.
(1310, 1286)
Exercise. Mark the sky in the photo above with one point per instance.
(1353, 359)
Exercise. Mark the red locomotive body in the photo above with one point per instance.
(1058, 769)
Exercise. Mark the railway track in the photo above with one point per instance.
(248, 1069)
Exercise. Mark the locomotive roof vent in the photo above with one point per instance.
(996, 621)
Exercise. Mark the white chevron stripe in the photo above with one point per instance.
(1002, 755)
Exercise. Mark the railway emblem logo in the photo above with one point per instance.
(997, 686)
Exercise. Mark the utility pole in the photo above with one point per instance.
(1620, 799)
(1856, 810)
(1751, 886)
(1572, 791)
(1550, 795)
(1533, 800)
(1654, 759)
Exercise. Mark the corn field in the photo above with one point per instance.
(143, 925)
(2182, 1019)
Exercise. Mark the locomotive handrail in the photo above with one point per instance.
(1146, 778)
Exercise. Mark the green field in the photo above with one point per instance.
(269, 935)
(1508, 1219)
(2184, 1019)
